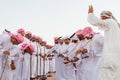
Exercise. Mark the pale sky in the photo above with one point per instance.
(50, 18)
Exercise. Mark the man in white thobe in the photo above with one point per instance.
(110, 67)
(68, 70)
(95, 46)
(10, 55)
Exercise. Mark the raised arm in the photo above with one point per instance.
(95, 21)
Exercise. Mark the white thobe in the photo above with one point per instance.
(5, 44)
(93, 65)
(82, 62)
(39, 58)
(47, 62)
(24, 65)
(67, 72)
(59, 63)
(111, 51)
(69, 68)
(34, 61)
(43, 61)
(52, 63)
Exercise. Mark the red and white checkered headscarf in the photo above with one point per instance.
(20, 30)
(25, 46)
(18, 37)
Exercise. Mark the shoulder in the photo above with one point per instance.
(4, 37)
(97, 38)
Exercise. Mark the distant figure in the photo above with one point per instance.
(110, 67)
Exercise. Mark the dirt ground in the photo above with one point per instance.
(52, 78)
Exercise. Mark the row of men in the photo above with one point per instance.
(23, 56)
(80, 53)
(78, 57)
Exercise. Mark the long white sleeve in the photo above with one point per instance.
(95, 21)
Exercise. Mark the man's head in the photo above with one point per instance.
(16, 39)
(28, 48)
(106, 15)
(56, 40)
(28, 35)
(60, 41)
(33, 38)
(74, 39)
(81, 37)
(66, 40)
(79, 34)
(38, 39)
(43, 43)
(21, 31)
(88, 32)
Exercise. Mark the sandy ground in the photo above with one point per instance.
(52, 78)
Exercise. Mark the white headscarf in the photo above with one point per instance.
(109, 15)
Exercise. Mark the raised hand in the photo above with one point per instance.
(90, 9)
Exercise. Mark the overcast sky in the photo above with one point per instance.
(49, 18)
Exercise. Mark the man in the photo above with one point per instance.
(53, 52)
(34, 59)
(68, 70)
(59, 60)
(28, 35)
(38, 41)
(94, 51)
(43, 59)
(24, 61)
(81, 54)
(111, 51)
(21, 31)
(23, 73)
(9, 54)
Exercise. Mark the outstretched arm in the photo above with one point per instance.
(95, 21)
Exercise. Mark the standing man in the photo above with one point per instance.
(111, 51)
(9, 54)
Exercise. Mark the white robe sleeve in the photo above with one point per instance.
(95, 21)
(97, 45)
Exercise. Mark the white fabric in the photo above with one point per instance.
(59, 64)
(81, 74)
(39, 62)
(111, 51)
(92, 66)
(69, 71)
(34, 61)
(5, 44)
(23, 71)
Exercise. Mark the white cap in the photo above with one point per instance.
(66, 37)
(74, 37)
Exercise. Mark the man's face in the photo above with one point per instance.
(39, 40)
(43, 44)
(33, 39)
(81, 37)
(22, 33)
(67, 41)
(56, 41)
(27, 50)
(103, 17)
(60, 41)
(74, 41)
(14, 41)
(28, 36)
